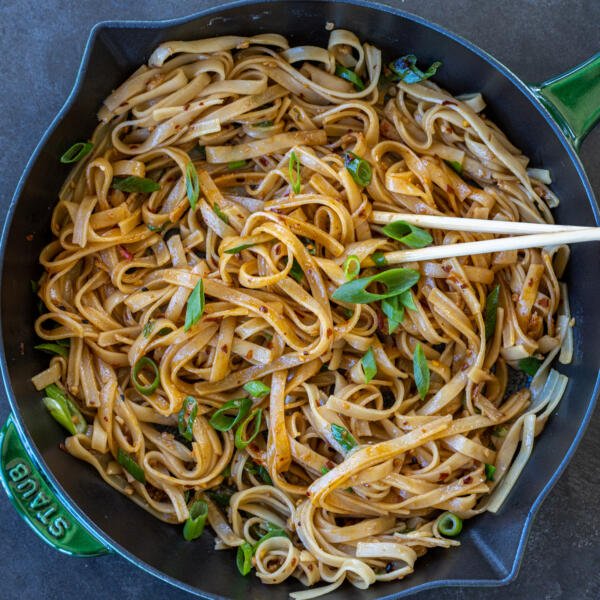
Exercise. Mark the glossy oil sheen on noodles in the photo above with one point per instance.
(361, 506)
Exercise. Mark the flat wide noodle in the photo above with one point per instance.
(206, 234)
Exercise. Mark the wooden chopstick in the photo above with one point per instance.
(471, 225)
(586, 234)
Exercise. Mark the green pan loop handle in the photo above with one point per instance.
(573, 99)
(35, 501)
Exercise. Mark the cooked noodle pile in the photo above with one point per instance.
(203, 256)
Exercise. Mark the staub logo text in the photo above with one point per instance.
(31, 495)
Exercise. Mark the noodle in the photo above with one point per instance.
(197, 270)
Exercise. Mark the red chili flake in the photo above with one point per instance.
(330, 464)
(446, 268)
(329, 332)
(186, 106)
(449, 103)
(134, 146)
(29, 237)
(249, 354)
(263, 161)
(123, 104)
(308, 494)
(530, 282)
(467, 480)
(263, 309)
(224, 348)
(124, 253)
(443, 476)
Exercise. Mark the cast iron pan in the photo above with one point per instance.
(66, 502)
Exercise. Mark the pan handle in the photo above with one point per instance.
(573, 99)
(37, 503)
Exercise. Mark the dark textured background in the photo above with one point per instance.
(41, 43)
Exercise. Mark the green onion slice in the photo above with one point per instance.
(489, 472)
(405, 69)
(455, 165)
(411, 235)
(421, 371)
(350, 76)
(294, 173)
(259, 471)
(359, 168)
(147, 330)
(236, 164)
(135, 184)
(53, 348)
(324, 470)
(241, 441)
(187, 416)
(343, 437)
(192, 185)
(64, 410)
(194, 526)
(267, 123)
(396, 281)
(491, 311)
(369, 365)
(393, 309)
(274, 531)
(220, 213)
(239, 248)
(195, 306)
(379, 259)
(140, 365)
(449, 524)
(296, 271)
(257, 389)
(76, 152)
(129, 464)
(530, 365)
(244, 558)
(221, 421)
(351, 267)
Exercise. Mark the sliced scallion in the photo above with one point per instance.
(76, 152)
(244, 558)
(350, 76)
(241, 440)
(411, 235)
(195, 306)
(186, 418)
(455, 165)
(294, 173)
(379, 259)
(239, 248)
(194, 526)
(192, 185)
(220, 213)
(296, 271)
(222, 421)
(135, 184)
(490, 470)
(359, 168)
(236, 164)
(351, 267)
(257, 389)
(393, 309)
(396, 281)
(421, 371)
(145, 363)
(530, 365)
(369, 365)
(343, 437)
(449, 524)
(64, 410)
(53, 348)
(491, 312)
(131, 466)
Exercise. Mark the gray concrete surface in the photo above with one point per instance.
(41, 42)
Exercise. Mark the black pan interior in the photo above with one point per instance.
(490, 543)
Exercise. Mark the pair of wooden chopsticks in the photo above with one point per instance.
(524, 235)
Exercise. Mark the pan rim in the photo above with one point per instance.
(71, 99)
